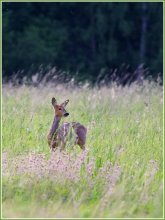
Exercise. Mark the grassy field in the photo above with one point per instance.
(120, 174)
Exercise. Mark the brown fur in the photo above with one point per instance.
(57, 136)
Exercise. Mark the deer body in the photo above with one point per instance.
(58, 135)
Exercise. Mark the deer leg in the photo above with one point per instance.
(53, 145)
(62, 145)
(82, 147)
(80, 132)
(81, 144)
(49, 138)
(76, 140)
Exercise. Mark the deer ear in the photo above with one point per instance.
(65, 103)
(54, 102)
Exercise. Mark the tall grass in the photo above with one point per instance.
(119, 175)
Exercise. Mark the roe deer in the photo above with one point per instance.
(57, 136)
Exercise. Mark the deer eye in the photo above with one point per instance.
(60, 109)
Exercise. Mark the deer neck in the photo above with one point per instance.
(55, 125)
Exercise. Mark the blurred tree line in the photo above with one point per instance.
(91, 41)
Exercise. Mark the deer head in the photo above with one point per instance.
(60, 109)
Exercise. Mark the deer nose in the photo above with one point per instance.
(66, 114)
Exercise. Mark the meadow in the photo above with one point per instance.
(119, 175)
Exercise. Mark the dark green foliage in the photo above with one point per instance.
(88, 40)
